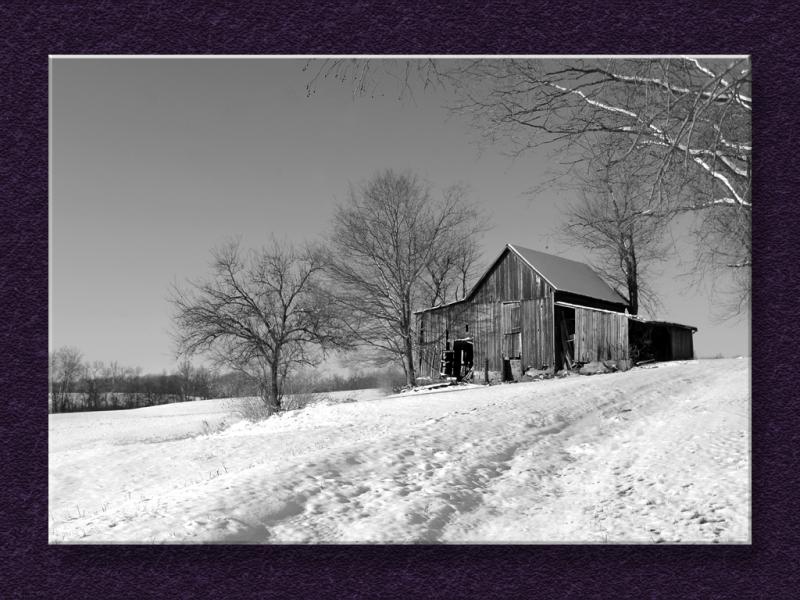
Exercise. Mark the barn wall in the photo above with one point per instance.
(486, 336)
(481, 322)
(682, 343)
(480, 318)
(600, 335)
(511, 279)
(537, 332)
(435, 328)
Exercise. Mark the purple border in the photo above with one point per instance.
(29, 32)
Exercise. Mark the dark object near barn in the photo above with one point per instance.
(458, 361)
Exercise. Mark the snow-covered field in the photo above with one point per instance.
(652, 455)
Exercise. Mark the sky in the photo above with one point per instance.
(155, 161)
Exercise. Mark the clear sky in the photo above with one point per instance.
(156, 161)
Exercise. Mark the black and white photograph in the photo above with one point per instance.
(400, 299)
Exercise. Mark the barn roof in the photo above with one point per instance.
(562, 274)
(568, 275)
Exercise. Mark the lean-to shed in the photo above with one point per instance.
(660, 340)
(536, 308)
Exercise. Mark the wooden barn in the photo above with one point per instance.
(528, 310)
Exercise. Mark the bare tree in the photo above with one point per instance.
(693, 114)
(66, 369)
(616, 220)
(367, 77)
(93, 384)
(203, 382)
(395, 249)
(260, 313)
(725, 245)
(185, 374)
(450, 272)
(115, 375)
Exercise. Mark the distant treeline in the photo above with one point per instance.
(78, 385)
(389, 379)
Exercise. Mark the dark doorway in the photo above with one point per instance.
(458, 361)
(564, 335)
(662, 346)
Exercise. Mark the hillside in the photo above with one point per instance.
(656, 454)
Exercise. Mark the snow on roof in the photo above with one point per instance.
(568, 275)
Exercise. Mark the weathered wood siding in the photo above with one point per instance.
(511, 279)
(537, 332)
(682, 343)
(487, 335)
(600, 335)
(436, 327)
(481, 318)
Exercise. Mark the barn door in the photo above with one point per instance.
(512, 330)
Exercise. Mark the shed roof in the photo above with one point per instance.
(663, 323)
(568, 275)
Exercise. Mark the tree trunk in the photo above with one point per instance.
(408, 360)
(633, 278)
(633, 293)
(408, 339)
(274, 386)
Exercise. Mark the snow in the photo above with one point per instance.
(659, 454)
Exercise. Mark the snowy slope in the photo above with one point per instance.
(658, 454)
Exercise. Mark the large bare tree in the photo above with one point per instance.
(693, 114)
(396, 248)
(260, 313)
(616, 219)
(687, 116)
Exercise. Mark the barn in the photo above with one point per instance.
(529, 310)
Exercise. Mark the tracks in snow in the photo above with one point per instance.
(418, 486)
(609, 457)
